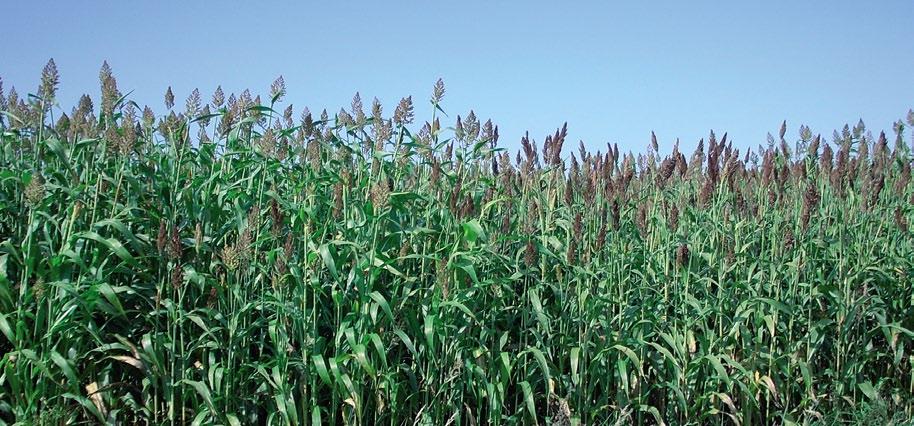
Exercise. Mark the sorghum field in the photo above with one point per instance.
(236, 261)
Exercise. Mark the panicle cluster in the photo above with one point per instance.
(437, 219)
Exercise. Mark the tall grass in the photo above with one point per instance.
(237, 263)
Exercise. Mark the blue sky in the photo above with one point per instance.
(613, 71)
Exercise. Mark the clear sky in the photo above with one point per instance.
(613, 71)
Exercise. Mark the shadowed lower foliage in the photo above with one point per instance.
(238, 263)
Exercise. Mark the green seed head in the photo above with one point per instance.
(34, 191)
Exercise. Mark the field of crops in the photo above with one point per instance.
(232, 261)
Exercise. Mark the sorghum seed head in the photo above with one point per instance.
(175, 249)
(813, 149)
(3, 105)
(218, 97)
(443, 277)
(379, 195)
(230, 257)
(682, 255)
(307, 123)
(673, 221)
(571, 254)
(616, 214)
(666, 171)
(810, 202)
(49, 81)
(162, 237)
(707, 191)
(358, 113)
(276, 216)
(471, 125)
(63, 125)
(343, 118)
(212, 298)
(169, 98)
(641, 219)
(530, 254)
(876, 189)
(438, 92)
(38, 288)
(34, 191)
(452, 202)
(110, 94)
(825, 162)
(459, 132)
(277, 89)
(601, 239)
(382, 130)
(682, 167)
(128, 138)
(900, 220)
(468, 208)
(901, 183)
(148, 117)
(287, 247)
(435, 175)
(198, 236)
(788, 238)
(177, 276)
(404, 251)
(104, 72)
(243, 246)
(489, 132)
(193, 104)
(404, 112)
(205, 118)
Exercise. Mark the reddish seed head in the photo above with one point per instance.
(682, 255)
(177, 276)
(175, 249)
(900, 220)
(530, 254)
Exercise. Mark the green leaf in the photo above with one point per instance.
(233, 420)
(321, 367)
(65, 367)
(462, 308)
(528, 400)
(777, 305)
(316, 415)
(868, 390)
(575, 355)
(653, 412)
(329, 263)
(472, 230)
(380, 349)
(381, 264)
(361, 357)
(544, 366)
(407, 341)
(538, 309)
(381, 301)
(429, 330)
(719, 368)
(203, 391)
(111, 296)
(631, 356)
(6, 330)
(112, 244)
